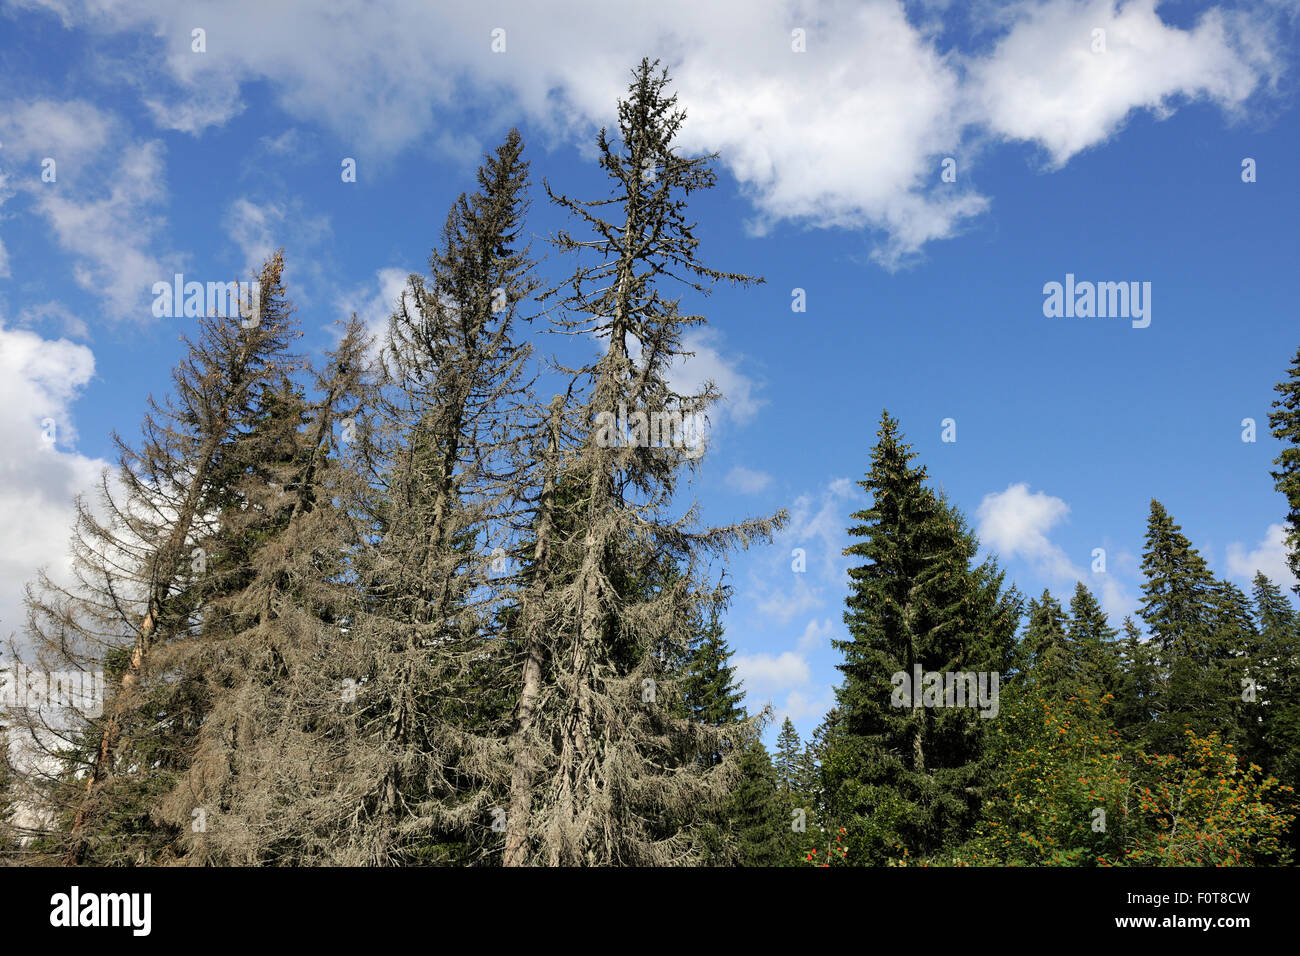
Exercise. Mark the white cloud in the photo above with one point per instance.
(258, 229)
(866, 154)
(288, 143)
(703, 362)
(817, 526)
(766, 672)
(800, 706)
(55, 314)
(252, 227)
(782, 604)
(1269, 556)
(374, 303)
(100, 205)
(747, 481)
(39, 381)
(1015, 523)
(109, 236)
(1043, 81)
(70, 133)
(816, 635)
(708, 364)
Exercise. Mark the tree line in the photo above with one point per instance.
(395, 607)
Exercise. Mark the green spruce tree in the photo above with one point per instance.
(1096, 641)
(756, 820)
(1178, 607)
(907, 777)
(1284, 421)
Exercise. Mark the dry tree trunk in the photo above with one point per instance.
(521, 777)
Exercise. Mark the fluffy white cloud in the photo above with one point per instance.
(1052, 80)
(1015, 523)
(39, 380)
(1269, 556)
(764, 672)
(849, 133)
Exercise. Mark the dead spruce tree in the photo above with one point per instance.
(277, 596)
(596, 778)
(135, 564)
(442, 466)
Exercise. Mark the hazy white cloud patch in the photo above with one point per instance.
(1268, 556)
(57, 315)
(258, 229)
(816, 635)
(711, 362)
(800, 706)
(375, 302)
(763, 672)
(101, 202)
(806, 563)
(747, 481)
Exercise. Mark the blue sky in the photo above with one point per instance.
(1119, 163)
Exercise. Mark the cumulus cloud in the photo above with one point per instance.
(765, 672)
(866, 154)
(1268, 556)
(1056, 81)
(40, 472)
(1015, 523)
